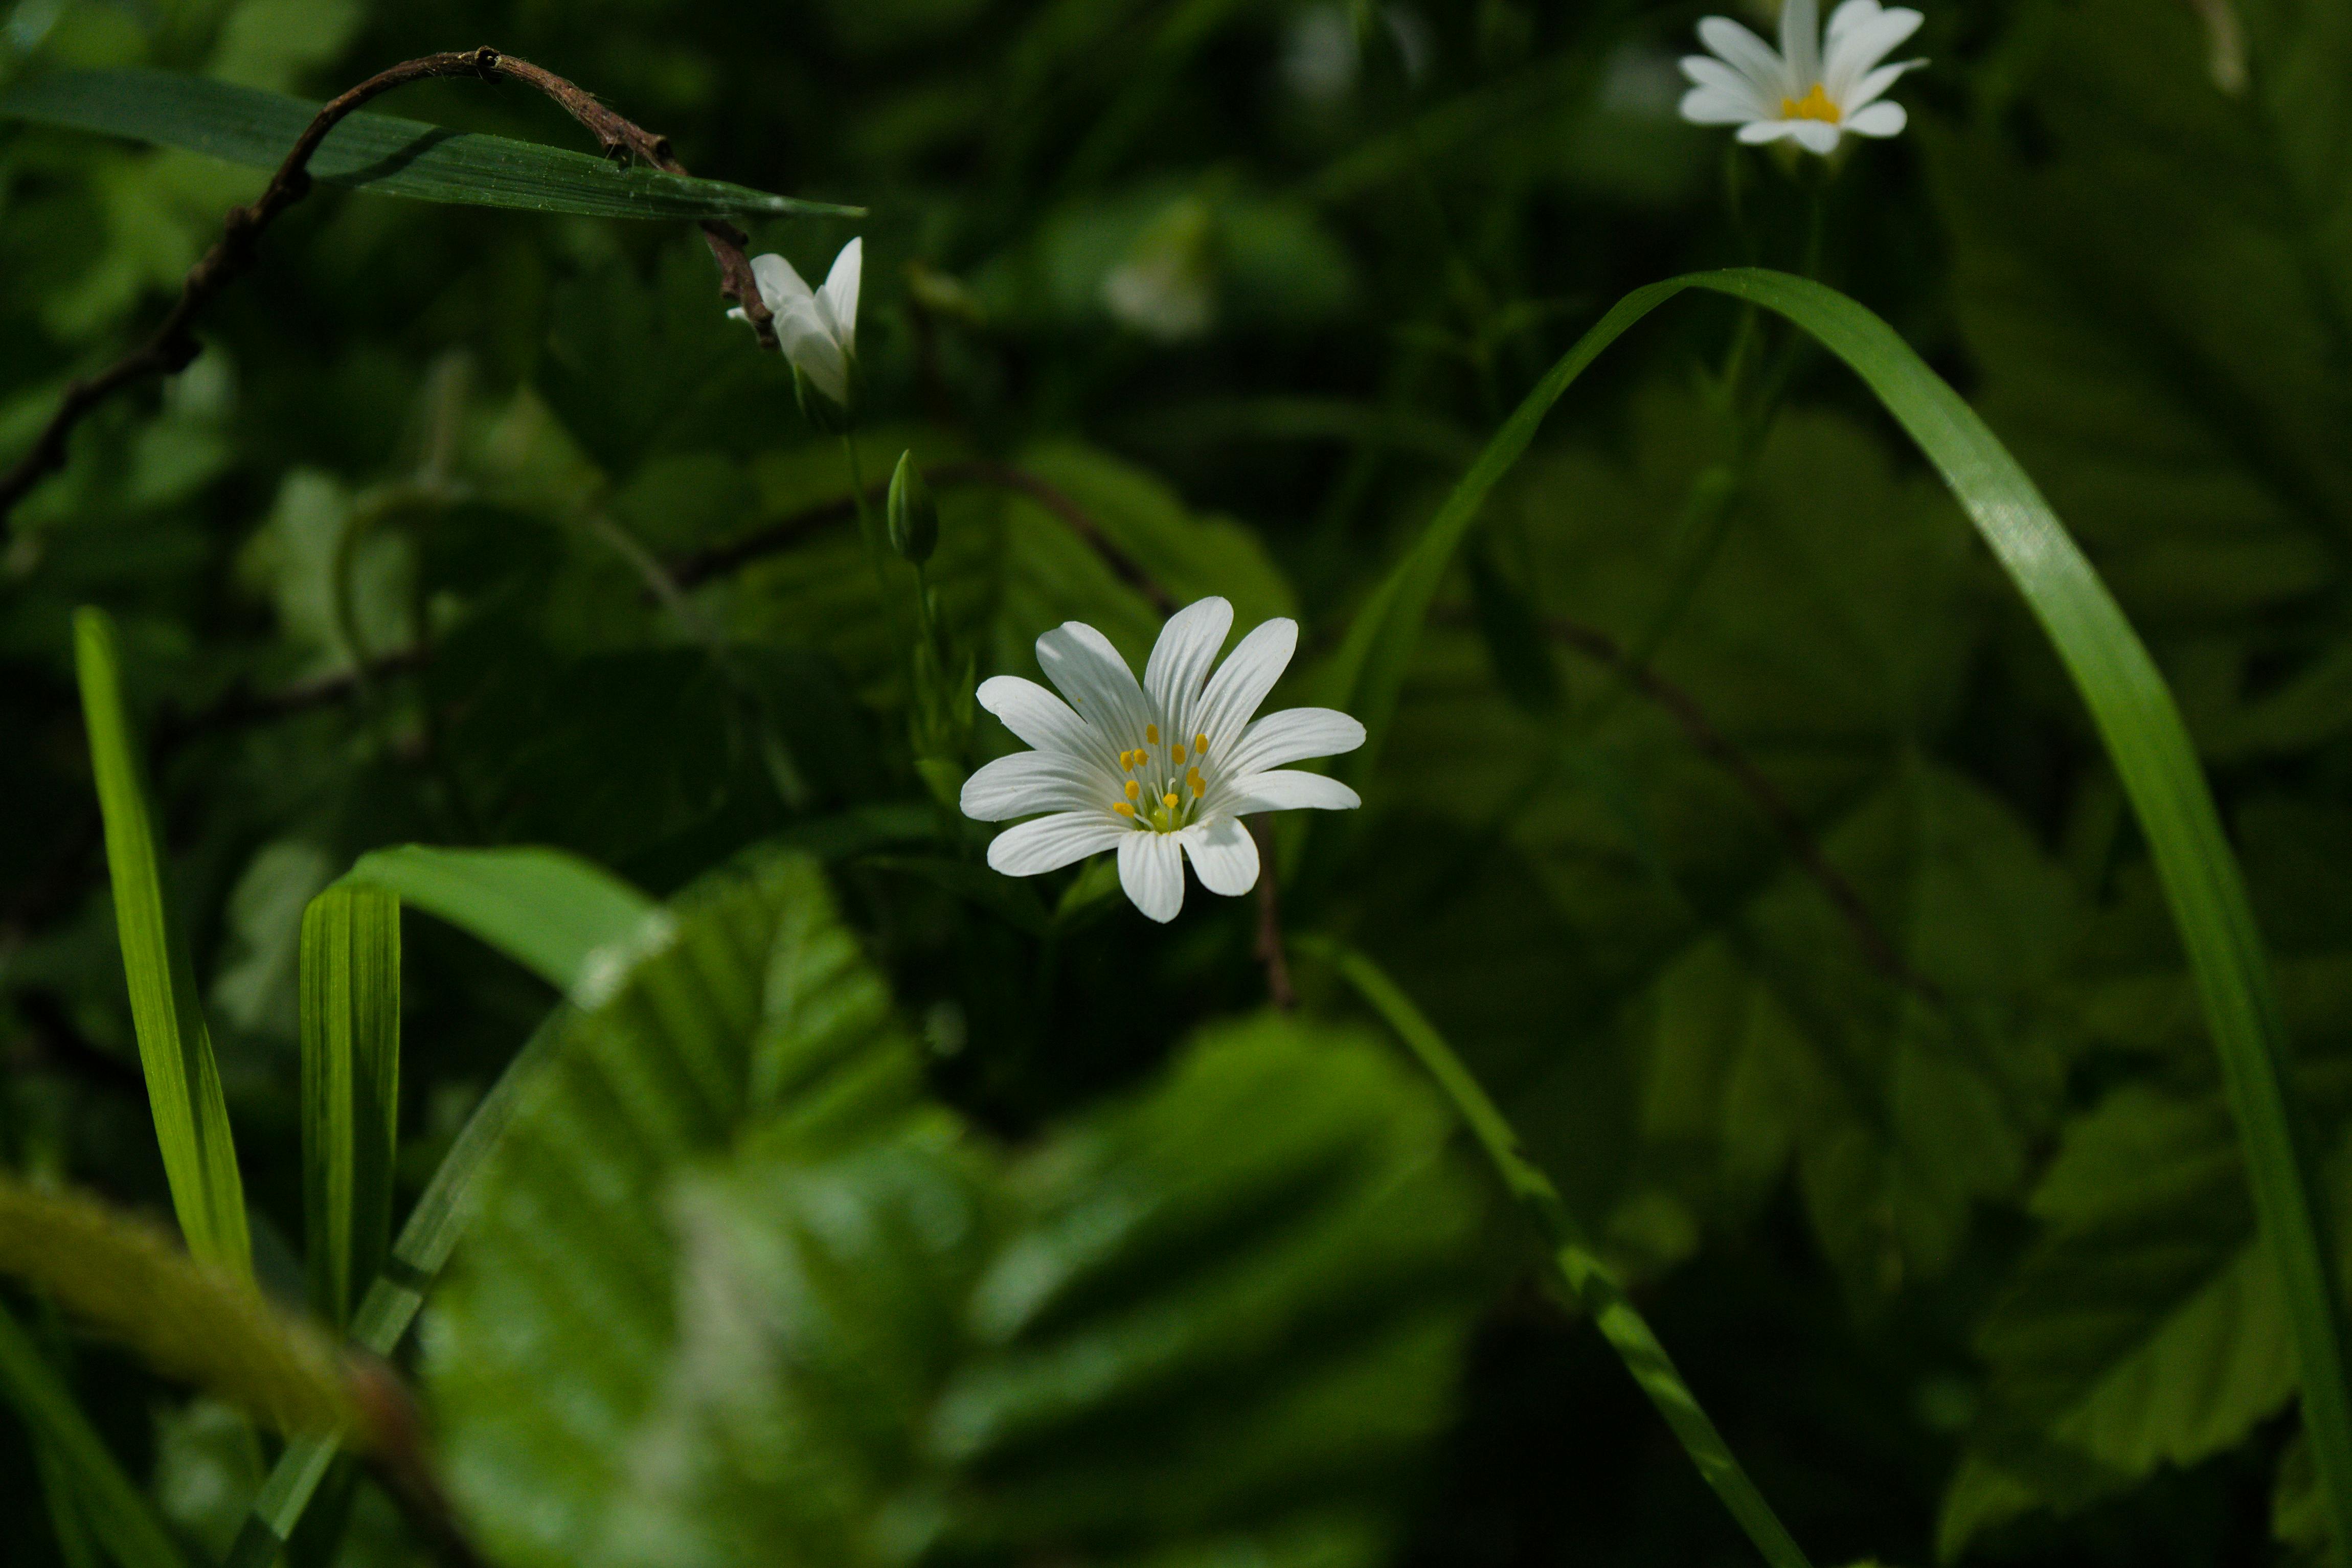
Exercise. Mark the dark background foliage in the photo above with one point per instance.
(1870, 1054)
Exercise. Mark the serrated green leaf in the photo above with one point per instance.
(351, 1090)
(186, 1318)
(175, 1049)
(379, 152)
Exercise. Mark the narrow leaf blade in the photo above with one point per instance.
(379, 152)
(175, 1049)
(351, 1089)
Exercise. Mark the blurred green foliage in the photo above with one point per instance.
(1737, 825)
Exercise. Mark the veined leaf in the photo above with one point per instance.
(575, 925)
(118, 1512)
(175, 1048)
(379, 152)
(351, 1089)
(187, 1318)
(2129, 704)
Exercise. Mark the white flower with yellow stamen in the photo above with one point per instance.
(1814, 89)
(818, 326)
(1157, 771)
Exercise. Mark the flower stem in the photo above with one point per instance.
(1579, 1264)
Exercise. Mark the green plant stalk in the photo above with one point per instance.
(116, 1512)
(175, 1049)
(2129, 704)
(1580, 1268)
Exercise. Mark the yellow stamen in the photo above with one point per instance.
(1124, 809)
(1133, 789)
(1176, 756)
(1152, 733)
(1169, 800)
(1200, 743)
(1193, 779)
(1814, 105)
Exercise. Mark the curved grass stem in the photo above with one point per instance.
(1572, 1253)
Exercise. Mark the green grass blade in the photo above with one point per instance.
(351, 1089)
(1581, 1267)
(379, 152)
(117, 1512)
(175, 1049)
(575, 925)
(2129, 701)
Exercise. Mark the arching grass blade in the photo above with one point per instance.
(2129, 701)
(351, 1090)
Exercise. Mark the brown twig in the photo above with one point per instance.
(174, 343)
(692, 570)
(1717, 747)
(1278, 989)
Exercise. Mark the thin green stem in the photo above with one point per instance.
(1580, 1265)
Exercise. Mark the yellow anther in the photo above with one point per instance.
(1152, 733)
(1130, 760)
(1814, 105)
(1200, 743)
(1133, 789)
(1169, 801)
(1193, 779)
(1176, 756)
(1124, 809)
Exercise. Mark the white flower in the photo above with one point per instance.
(1812, 90)
(818, 327)
(1157, 771)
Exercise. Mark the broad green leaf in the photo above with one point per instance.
(186, 1318)
(351, 1090)
(575, 925)
(2129, 704)
(175, 1048)
(118, 1512)
(378, 152)
(2145, 1328)
(762, 1021)
(830, 1326)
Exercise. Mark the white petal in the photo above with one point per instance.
(1862, 46)
(1879, 120)
(1764, 131)
(808, 343)
(1845, 19)
(1706, 106)
(780, 282)
(1242, 681)
(1871, 88)
(1049, 843)
(1086, 668)
(1814, 135)
(1151, 869)
(1750, 55)
(1800, 43)
(1721, 81)
(1179, 661)
(1223, 855)
(1286, 791)
(1028, 782)
(1294, 735)
(1044, 720)
(839, 298)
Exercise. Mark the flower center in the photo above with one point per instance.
(1163, 794)
(1814, 105)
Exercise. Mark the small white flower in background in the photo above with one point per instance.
(818, 327)
(1157, 771)
(1814, 89)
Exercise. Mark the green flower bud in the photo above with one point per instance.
(914, 514)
